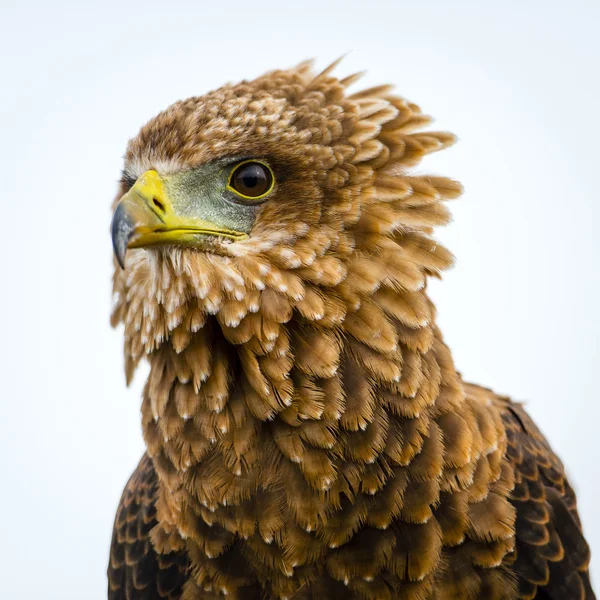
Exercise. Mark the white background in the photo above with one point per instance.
(517, 81)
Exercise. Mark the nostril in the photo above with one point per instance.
(159, 204)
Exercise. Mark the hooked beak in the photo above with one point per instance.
(147, 216)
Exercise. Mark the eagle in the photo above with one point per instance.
(308, 434)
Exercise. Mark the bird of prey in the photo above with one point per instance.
(308, 435)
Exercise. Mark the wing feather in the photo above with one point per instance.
(136, 571)
(552, 556)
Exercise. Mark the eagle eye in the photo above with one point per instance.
(251, 180)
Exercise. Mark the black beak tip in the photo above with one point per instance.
(121, 231)
(120, 255)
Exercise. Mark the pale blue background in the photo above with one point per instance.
(517, 81)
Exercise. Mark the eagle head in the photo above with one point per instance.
(275, 200)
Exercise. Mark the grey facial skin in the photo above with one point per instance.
(203, 192)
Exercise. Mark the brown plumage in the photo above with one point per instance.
(308, 435)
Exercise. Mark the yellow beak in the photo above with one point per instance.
(146, 216)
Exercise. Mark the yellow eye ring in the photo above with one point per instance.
(251, 180)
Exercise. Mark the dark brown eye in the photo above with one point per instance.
(251, 180)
